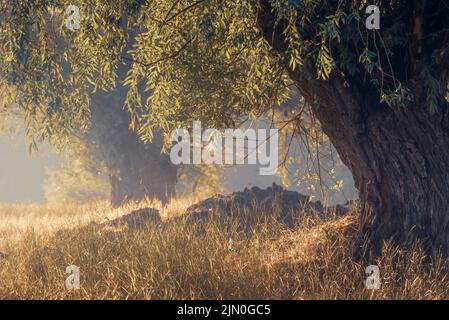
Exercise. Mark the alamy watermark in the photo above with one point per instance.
(372, 282)
(373, 20)
(73, 21)
(73, 280)
(233, 146)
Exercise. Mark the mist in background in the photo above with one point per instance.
(22, 174)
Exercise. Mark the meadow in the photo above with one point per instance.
(314, 260)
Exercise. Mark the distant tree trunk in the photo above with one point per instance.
(137, 170)
(143, 174)
(399, 157)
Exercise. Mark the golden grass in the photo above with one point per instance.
(17, 219)
(312, 261)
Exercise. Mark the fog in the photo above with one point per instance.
(22, 174)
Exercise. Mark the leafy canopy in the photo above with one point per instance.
(203, 59)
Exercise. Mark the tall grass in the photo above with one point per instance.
(179, 261)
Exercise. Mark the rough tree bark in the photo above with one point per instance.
(399, 157)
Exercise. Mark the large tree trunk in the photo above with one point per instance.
(399, 157)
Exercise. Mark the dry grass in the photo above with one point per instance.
(313, 261)
(16, 220)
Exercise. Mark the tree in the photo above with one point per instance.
(379, 95)
(136, 170)
(383, 107)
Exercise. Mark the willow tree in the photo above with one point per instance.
(69, 111)
(379, 95)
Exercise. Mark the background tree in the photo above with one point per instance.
(136, 170)
(101, 136)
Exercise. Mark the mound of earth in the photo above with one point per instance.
(248, 208)
(253, 205)
(135, 220)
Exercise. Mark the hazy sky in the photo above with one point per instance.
(21, 174)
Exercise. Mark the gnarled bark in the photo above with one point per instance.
(399, 159)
